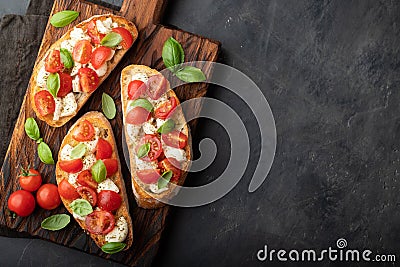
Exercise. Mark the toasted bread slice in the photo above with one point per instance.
(98, 120)
(144, 198)
(119, 53)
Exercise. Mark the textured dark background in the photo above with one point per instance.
(330, 71)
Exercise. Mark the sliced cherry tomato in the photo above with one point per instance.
(45, 103)
(155, 147)
(67, 191)
(100, 55)
(84, 131)
(89, 79)
(171, 164)
(85, 178)
(30, 180)
(53, 62)
(126, 36)
(136, 88)
(71, 166)
(48, 197)
(65, 85)
(149, 176)
(137, 116)
(103, 149)
(21, 202)
(165, 109)
(100, 222)
(87, 193)
(109, 200)
(94, 33)
(156, 86)
(111, 166)
(175, 139)
(82, 52)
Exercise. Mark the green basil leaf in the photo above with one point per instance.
(79, 151)
(66, 58)
(172, 54)
(143, 150)
(32, 129)
(99, 171)
(81, 207)
(45, 154)
(53, 83)
(191, 74)
(166, 127)
(56, 222)
(144, 103)
(111, 40)
(63, 18)
(108, 106)
(164, 179)
(113, 247)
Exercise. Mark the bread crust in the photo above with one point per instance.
(33, 88)
(143, 198)
(98, 120)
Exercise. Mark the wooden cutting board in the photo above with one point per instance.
(148, 225)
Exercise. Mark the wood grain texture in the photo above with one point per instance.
(147, 224)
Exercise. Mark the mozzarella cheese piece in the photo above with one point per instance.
(78, 34)
(107, 184)
(100, 71)
(133, 131)
(140, 77)
(58, 108)
(157, 102)
(144, 165)
(149, 128)
(172, 152)
(65, 153)
(69, 105)
(76, 86)
(88, 161)
(68, 44)
(104, 26)
(120, 231)
(41, 78)
(159, 122)
(76, 68)
(91, 146)
(154, 188)
(72, 178)
(79, 217)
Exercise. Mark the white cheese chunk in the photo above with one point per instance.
(159, 101)
(68, 44)
(41, 78)
(76, 68)
(144, 165)
(76, 86)
(159, 122)
(114, 25)
(58, 108)
(120, 231)
(88, 161)
(65, 153)
(149, 128)
(69, 105)
(140, 77)
(91, 146)
(72, 178)
(78, 34)
(172, 152)
(111, 55)
(100, 71)
(133, 131)
(107, 184)
(104, 26)
(154, 188)
(79, 217)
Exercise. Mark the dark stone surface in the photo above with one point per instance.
(330, 71)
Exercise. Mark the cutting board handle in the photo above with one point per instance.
(143, 12)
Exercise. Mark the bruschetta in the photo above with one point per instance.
(156, 134)
(75, 65)
(90, 183)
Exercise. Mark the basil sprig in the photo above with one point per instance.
(63, 18)
(174, 56)
(113, 247)
(79, 151)
(142, 102)
(32, 129)
(81, 207)
(45, 154)
(164, 179)
(53, 83)
(108, 106)
(166, 127)
(56, 222)
(111, 40)
(143, 150)
(99, 171)
(66, 58)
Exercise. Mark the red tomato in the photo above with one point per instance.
(100, 222)
(84, 131)
(100, 55)
(45, 103)
(103, 149)
(156, 86)
(82, 52)
(87, 193)
(155, 147)
(85, 178)
(171, 164)
(65, 85)
(109, 200)
(135, 89)
(149, 176)
(175, 139)
(21, 202)
(47, 197)
(94, 33)
(67, 191)
(53, 62)
(126, 36)
(165, 109)
(137, 116)
(111, 166)
(30, 180)
(71, 166)
(88, 79)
